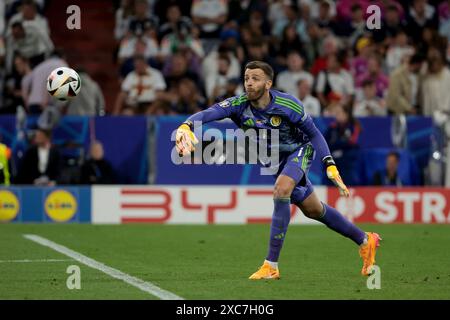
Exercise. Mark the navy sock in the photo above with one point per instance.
(337, 222)
(280, 221)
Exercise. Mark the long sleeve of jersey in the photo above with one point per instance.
(309, 128)
(217, 111)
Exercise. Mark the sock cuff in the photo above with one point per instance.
(282, 199)
(324, 210)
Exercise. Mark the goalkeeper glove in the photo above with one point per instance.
(333, 175)
(185, 140)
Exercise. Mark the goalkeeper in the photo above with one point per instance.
(263, 108)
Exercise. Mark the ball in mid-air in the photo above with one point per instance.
(63, 83)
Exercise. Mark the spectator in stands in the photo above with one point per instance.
(2, 17)
(275, 11)
(143, 22)
(313, 44)
(140, 88)
(97, 170)
(435, 87)
(444, 11)
(444, 29)
(233, 88)
(34, 88)
(138, 45)
(355, 27)
(239, 11)
(404, 84)
(215, 83)
(399, 51)
(421, 14)
(364, 49)
(132, 46)
(161, 7)
(258, 22)
(160, 108)
(123, 17)
(13, 90)
(369, 104)
(342, 137)
(287, 80)
(289, 42)
(41, 163)
(177, 68)
(181, 39)
(209, 16)
(326, 19)
(375, 74)
(334, 79)
(389, 176)
(329, 47)
(189, 99)
(228, 47)
(29, 42)
(291, 17)
(257, 49)
(29, 16)
(311, 104)
(175, 21)
(391, 24)
(230, 41)
(90, 100)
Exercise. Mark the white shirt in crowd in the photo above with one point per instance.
(370, 107)
(209, 9)
(43, 154)
(142, 88)
(395, 56)
(311, 105)
(287, 81)
(436, 95)
(341, 83)
(128, 48)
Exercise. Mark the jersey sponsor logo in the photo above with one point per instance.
(224, 104)
(275, 121)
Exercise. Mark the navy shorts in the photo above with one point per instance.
(296, 165)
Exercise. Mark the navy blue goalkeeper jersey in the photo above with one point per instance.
(284, 112)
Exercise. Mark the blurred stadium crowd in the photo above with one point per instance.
(179, 57)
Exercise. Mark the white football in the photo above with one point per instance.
(63, 83)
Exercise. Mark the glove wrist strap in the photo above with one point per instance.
(190, 124)
(328, 161)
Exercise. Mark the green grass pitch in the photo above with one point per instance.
(214, 262)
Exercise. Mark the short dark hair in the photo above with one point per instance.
(417, 58)
(268, 71)
(394, 154)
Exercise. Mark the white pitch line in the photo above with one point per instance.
(35, 260)
(136, 282)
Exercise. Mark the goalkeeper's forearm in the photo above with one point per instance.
(205, 116)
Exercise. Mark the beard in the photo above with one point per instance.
(255, 95)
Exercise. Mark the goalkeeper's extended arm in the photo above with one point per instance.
(323, 152)
(185, 140)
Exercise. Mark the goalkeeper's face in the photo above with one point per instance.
(256, 83)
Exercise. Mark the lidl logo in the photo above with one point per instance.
(275, 121)
(60, 205)
(9, 206)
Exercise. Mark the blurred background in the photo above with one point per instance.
(381, 97)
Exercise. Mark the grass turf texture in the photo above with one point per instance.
(214, 262)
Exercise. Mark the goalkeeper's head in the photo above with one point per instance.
(258, 79)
